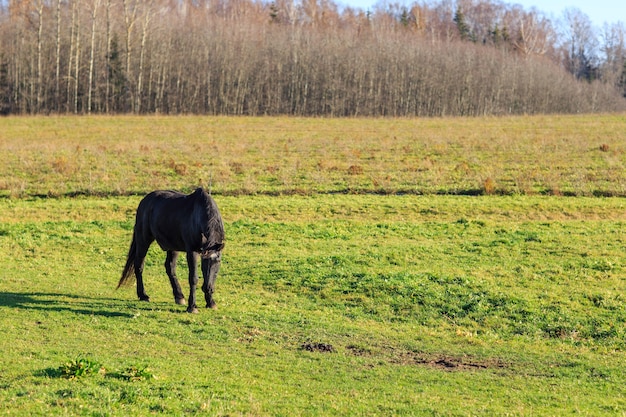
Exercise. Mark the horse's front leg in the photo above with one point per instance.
(210, 268)
(170, 268)
(192, 261)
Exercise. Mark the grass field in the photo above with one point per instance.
(555, 155)
(329, 303)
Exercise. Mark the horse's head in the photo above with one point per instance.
(211, 254)
(211, 224)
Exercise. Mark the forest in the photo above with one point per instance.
(305, 58)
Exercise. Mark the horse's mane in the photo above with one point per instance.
(216, 225)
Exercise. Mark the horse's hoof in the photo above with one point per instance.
(212, 306)
(192, 310)
(181, 301)
(144, 298)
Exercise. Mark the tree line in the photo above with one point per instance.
(305, 57)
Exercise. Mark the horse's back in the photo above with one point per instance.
(160, 195)
(167, 217)
(154, 200)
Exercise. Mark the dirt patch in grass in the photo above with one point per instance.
(434, 360)
(318, 347)
(448, 362)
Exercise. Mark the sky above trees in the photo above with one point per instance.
(599, 11)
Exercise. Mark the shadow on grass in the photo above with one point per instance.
(77, 304)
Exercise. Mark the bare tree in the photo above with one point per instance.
(107, 73)
(613, 50)
(533, 34)
(130, 17)
(579, 46)
(306, 58)
(78, 51)
(57, 67)
(147, 17)
(95, 5)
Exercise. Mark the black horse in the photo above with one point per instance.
(179, 223)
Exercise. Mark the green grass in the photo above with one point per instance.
(355, 281)
(328, 305)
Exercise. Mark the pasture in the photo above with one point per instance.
(106, 155)
(336, 296)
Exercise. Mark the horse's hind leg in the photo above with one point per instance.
(142, 251)
(170, 268)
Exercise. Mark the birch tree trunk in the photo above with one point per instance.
(57, 72)
(70, 62)
(94, 13)
(142, 54)
(107, 73)
(77, 64)
(130, 17)
(40, 6)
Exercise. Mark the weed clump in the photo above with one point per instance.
(134, 373)
(355, 170)
(489, 186)
(80, 367)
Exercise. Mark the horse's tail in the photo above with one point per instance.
(129, 269)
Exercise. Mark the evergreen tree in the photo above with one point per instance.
(273, 12)
(622, 81)
(5, 88)
(461, 24)
(405, 17)
(116, 76)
